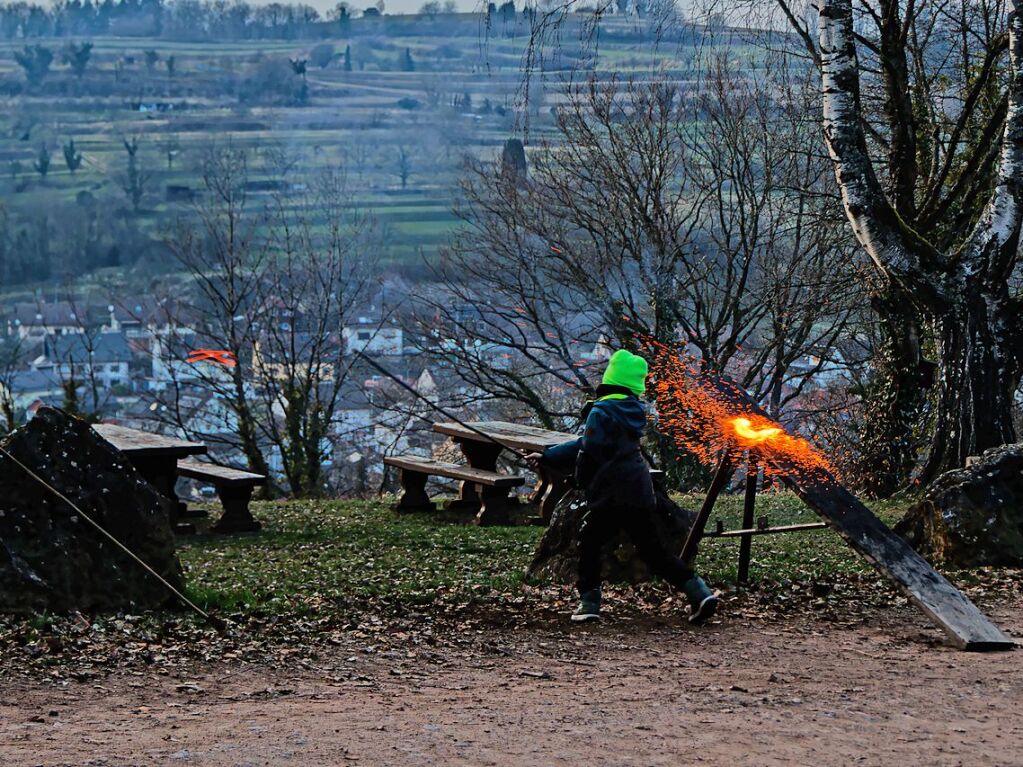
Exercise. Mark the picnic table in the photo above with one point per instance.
(154, 456)
(482, 454)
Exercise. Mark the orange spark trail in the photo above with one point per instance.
(707, 416)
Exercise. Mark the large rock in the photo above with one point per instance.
(557, 555)
(974, 516)
(50, 558)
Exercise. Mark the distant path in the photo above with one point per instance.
(807, 693)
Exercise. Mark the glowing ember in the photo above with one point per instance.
(707, 416)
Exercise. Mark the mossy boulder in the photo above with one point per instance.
(52, 559)
(972, 517)
(557, 555)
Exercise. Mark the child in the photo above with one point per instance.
(609, 466)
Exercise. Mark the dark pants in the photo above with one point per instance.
(602, 523)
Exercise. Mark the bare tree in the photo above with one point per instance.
(781, 285)
(273, 286)
(35, 61)
(403, 165)
(72, 157)
(924, 126)
(318, 276)
(430, 10)
(77, 57)
(12, 357)
(77, 361)
(136, 179)
(226, 260)
(656, 214)
(42, 161)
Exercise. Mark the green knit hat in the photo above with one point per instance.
(628, 370)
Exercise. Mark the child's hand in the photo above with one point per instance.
(534, 460)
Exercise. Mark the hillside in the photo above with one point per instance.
(420, 95)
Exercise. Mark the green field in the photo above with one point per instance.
(351, 119)
(357, 552)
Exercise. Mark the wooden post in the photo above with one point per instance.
(748, 508)
(724, 471)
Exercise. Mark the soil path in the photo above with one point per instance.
(804, 692)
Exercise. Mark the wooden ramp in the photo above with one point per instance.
(943, 603)
(966, 626)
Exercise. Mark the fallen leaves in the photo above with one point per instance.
(330, 585)
(535, 674)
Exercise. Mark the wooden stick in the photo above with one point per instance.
(741, 533)
(748, 507)
(724, 471)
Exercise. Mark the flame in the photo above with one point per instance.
(751, 434)
(706, 416)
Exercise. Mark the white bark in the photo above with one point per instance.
(991, 248)
(869, 212)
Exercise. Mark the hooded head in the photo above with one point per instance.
(628, 370)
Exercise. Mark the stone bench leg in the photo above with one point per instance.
(468, 498)
(236, 517)
(494, 506)
(413, 496)
(479, 455)
(162, 473)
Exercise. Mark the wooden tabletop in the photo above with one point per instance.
(134, 442)
(514, 435)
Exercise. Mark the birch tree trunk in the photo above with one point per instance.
(963, 294)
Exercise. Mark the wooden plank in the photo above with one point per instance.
(956, 615)
(966, 626)
(134, 442)
(225, 476)
(515, 435)
(454, 471)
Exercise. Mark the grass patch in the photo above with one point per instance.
(325, 556)
(349, 561)
(313, 555)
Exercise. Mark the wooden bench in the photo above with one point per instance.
(491, 487)
(234, 487)
(481, 453)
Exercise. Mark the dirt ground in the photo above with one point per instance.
(802, 691)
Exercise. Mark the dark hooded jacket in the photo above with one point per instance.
(606, 460)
